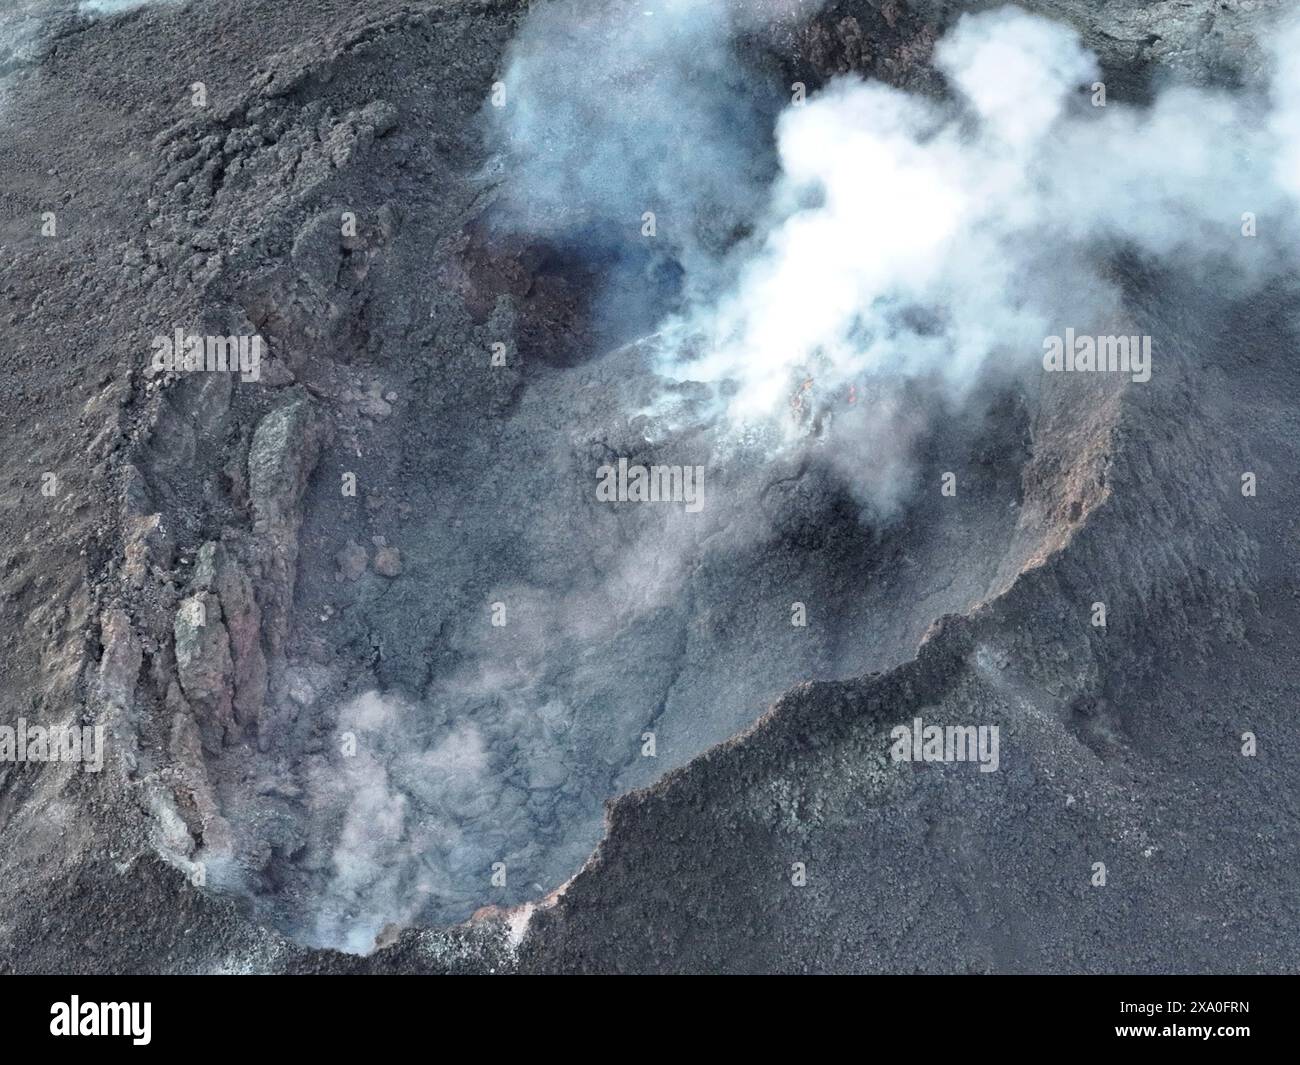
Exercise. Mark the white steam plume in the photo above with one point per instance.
(903, 236)
(910, 237)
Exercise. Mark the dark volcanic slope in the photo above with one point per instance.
(1120, 744)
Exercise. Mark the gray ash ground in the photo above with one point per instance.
(369, 615)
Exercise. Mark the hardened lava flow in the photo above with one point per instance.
(388, 684)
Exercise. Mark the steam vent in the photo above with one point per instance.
(684, 486)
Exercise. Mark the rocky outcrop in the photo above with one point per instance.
(284, 452)
(119, 665)
(218, 571)
(229, 631)
(204, 665)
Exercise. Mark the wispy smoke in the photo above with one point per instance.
(389, 819)
(510, 756)
(616, 109)
(24, 25)
(111, 7)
